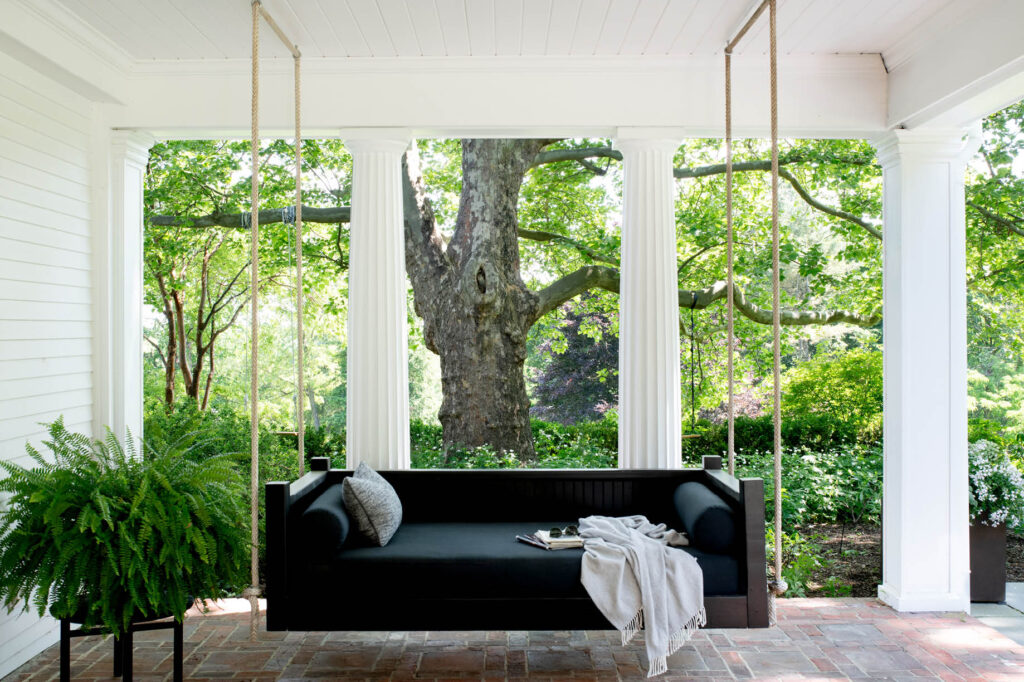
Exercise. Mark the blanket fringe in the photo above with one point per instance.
(634, 626)
(659, 665)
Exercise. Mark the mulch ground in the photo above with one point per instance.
(853, 556)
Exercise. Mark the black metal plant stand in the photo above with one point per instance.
(123, 646)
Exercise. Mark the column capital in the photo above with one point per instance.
(631, 140)
(361, 140)
(927, 144)
(132, 145)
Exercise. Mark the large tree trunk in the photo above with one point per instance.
(475, 307)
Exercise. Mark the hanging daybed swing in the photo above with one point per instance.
(299, 600)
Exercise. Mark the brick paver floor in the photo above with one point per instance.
(815, 639)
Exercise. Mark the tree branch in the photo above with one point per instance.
(541, 236)
(838, 213)
(998, 219)
(238, 221)
(601, 277)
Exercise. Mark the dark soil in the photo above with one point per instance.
(852, 556)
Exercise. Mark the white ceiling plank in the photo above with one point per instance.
(898, 19)
(649, 14)
(480, 18)
(316, 37)
(616, 24)
(187, 10)
(508, 27)
(536, 21)
(400, 28)
(562, 27)
(350, 40)
(138, 19)
(844, 29)
(815, 20)
(588, 28)
(708, 25)
(371, 26)
(191, 41)
(427, 26)
(229, 25)
(92, 15)
(672, 21)
(455, 27)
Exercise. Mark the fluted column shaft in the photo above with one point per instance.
(378, 363)
(649, 378)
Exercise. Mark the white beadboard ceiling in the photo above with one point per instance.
(219, 29)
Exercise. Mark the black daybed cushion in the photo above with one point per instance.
(479, 560)
(708, 520)
(325, 525)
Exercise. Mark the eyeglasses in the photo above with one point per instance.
(568, 531)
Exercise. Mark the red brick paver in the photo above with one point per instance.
(816, 639)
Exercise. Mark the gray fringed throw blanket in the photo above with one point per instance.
(640, 583)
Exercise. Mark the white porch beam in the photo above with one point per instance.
(960, 68)
(820, 96)
(925, 562)
(121, 156)
(650, 414)
(378, 360)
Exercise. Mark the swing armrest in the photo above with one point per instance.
(284, 500)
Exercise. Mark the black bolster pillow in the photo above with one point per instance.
(324, 525)
(706, 518)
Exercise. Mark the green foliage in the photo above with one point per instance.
(592, 445)
(119, 533)
(801, 557)
(756, 434)
(835, 587)
(996, 485)
(979, 428)
(836, 485)
(846, 386)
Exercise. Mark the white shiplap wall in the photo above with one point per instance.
(46, 366)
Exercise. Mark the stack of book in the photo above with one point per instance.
(543, 539)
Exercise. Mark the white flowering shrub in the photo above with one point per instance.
(997, 487)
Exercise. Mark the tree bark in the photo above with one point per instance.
(478, 311)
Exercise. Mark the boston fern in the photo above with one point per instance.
(112, 535)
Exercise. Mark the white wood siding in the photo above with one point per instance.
(46, 366)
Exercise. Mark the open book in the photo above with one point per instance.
(543, 539)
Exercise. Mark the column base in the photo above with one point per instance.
(923, 601)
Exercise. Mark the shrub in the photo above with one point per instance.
(815, 430)
(846, 386)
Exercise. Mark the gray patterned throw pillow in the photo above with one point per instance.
(373, 504)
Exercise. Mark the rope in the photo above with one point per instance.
(254, 418)
(779, 585)
(729, 298)
(300, 416)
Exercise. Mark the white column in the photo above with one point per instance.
(117, 263)
(650, 416)
(378, 361)
(925, 562)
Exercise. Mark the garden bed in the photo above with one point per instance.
(852, 556)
